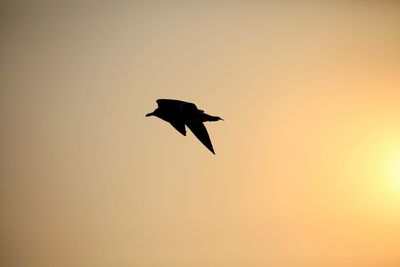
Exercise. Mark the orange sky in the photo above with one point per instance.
(307, 164)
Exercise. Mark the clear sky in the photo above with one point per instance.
(307, 164)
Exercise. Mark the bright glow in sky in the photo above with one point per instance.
(394, 171)
(307, 164)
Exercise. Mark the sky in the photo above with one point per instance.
(307, 164)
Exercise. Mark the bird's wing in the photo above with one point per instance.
(200, 131)
(173, 104)
(179, 126)
(188, 109)
(170, 103)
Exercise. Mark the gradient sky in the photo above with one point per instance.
(307, 164)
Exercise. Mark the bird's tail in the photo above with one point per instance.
(207, 117)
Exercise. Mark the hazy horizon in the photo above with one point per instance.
(307, 164)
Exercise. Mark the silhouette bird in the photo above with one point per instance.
(180, 113)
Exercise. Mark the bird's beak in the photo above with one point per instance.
(149, 114)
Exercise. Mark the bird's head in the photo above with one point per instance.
(154, 113)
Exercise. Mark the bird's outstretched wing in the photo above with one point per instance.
(200, 131)
(170, 103)
(176, 104)
(189, 109)
(179, 126)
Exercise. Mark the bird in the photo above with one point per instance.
(180, 113)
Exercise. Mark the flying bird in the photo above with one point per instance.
(180, 113)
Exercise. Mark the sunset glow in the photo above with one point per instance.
(394, 171)
(306, 171)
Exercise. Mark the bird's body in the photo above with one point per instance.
(180, 113)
